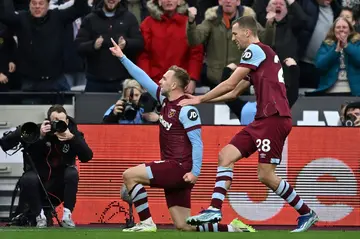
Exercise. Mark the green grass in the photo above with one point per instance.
(13, 233)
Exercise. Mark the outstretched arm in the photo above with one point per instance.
(239, 89)
(226, 86)
(252, 57)
(138, 74)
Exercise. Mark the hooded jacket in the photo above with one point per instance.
(101, 64)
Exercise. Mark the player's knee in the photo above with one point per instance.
(223, 160)
(265, 176)
(127, 176)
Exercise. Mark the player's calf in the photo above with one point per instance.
(134, 179)
(227, 157)
(267, 175)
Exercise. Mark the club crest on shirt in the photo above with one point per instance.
(171, 113)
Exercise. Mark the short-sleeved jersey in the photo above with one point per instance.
(267, 77)
(174, 122)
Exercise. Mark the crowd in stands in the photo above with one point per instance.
(63, 45)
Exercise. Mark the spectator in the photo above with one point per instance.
(215, 33)
(109, 20)
(40, 35)
(338, 59)
(73, 63)
(321, 14)
(138, 8)
(349, 14)
(354, 5)
(284, 19)
(132, 93)
(164, 33)
(203, 5)
(7, 58)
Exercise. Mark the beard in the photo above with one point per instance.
(109, 9)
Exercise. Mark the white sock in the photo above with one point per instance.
(213, 208)
(42, 214)
(67, 213)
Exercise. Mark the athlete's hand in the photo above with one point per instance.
(116, 50)
(191, 100)
(190, 178)
(290, 61)
(151, 117)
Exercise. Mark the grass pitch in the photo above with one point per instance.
(82, 233)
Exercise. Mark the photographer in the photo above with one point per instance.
(350, 114)
(135, 106)
(53, 154)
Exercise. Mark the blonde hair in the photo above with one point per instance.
(331, 38)
(131, 83)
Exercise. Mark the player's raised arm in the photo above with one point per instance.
(190, 118)
(137, 73)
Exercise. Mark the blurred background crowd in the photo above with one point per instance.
(63, 45)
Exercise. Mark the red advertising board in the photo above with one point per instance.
(321, 163)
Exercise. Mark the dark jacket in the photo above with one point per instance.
(41, 40)
(281, 36)
(101, 63)
(311, 8)
(7, 49)
(50, 155)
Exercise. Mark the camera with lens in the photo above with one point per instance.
(349, 120)
(130, 110)
(146, 102)
(349, 117)
(58, 126)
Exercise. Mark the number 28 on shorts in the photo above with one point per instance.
(263, 145)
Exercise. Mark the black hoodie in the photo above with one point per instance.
(101, 64)
(50, 155)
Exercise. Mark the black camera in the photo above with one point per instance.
(58, 126)
(130, 110)
(349, 120)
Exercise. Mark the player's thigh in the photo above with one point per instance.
(165, 174)
(270, 139)
(179, 216)
(179, 196)
(137, 174)
(241, 145)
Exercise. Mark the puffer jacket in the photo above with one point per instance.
(166, 43)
